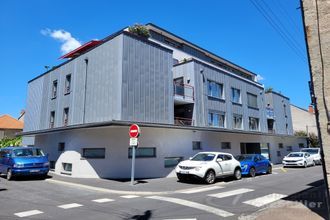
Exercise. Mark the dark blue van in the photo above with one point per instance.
(16, 161)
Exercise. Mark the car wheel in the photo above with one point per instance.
(252, 172)
(9, 174)
(305, 164)
(269, 170)
(238, 174)
(210, 177)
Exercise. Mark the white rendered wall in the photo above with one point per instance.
(168, 143)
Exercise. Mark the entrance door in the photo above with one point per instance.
(250, 148)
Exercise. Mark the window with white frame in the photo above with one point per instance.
(215, 90)
(237, 121)
(254, 124)
(216, 119)
(235, 95)
(252, 100)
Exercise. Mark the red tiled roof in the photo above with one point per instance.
(8, 122)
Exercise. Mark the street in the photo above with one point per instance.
(226, 199)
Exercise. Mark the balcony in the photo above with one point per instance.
(183, 121)
(183, 93)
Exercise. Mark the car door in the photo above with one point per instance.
(265, 163)
(1, 161)
(224, 164)
(258, 164)
(309, 159)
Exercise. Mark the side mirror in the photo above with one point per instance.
(219, 160)
(7, 156)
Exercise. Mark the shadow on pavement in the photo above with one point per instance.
(147, 215)
(29, 178)
(313, 198)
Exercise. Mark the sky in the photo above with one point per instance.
(263, 36)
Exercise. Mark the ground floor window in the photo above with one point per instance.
(143, 152)
(172, 161)
(225, 145)
(196, 145)
(289, 148)
(94, 153)
(301, 145)
(67, 167)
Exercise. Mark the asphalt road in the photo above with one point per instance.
(39, 199)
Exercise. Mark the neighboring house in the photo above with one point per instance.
(303, 120)
(9, 126)
(185, 98)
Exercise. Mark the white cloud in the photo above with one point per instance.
(259, 78)
(69, 43)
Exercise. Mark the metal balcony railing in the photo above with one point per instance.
(183, 121)
(184, 90)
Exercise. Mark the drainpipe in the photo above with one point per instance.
(85, 93)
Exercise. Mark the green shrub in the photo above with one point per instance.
(139, 30)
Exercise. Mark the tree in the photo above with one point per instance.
(6, 142)
(139, 30)
(312, 138)
(269, 89)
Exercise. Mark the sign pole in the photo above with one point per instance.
(133, 165)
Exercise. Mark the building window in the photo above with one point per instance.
(61, 147)
(254, 124)
(143, 152)
(289, 148)
(52, 119)
(67, 88)
(196, 145)
(278, 153)
(301, 145)
(94, 153)
(216, 119)
(172, 161)
(237, 121)
(67, 167)
(65, 116)
(54, 89)
(215, 90)
(252, 100)
(225, 145)
(235, 95)
(280, 145)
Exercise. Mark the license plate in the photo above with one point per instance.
(34, 171)
(184, 172)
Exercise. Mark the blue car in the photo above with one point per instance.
(17, 161)
(252, 164)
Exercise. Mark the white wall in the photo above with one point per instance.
(168, 143)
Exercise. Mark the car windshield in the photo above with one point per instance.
(28, 152)
(244, 157)
(311, 151)
(296, 155)
(203, 157)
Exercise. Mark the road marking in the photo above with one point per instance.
(195, 205)
(275, 173)
(181, 219)
(200, 189)
(284, 170)
(129, 196)
(258, 202)
(231, 193)
(70, 206)
(28, 213)
(103, 200)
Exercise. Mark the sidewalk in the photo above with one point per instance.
(141, 187)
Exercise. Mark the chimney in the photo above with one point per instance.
(311, 109)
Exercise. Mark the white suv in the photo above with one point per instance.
(315, 154)
(209, 166)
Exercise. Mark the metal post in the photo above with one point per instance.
(133, 165)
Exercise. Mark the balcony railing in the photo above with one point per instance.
(184, 90)
(183, 121)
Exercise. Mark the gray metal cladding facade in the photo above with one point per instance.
(147, 82)
(204, 104)
(282, 112)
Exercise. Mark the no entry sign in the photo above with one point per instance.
(134, 131)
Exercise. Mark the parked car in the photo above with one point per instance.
(300, 159)
(209, 166)
(315, 154)
(15, 161)
(252, 164)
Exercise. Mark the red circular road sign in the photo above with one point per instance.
(134, 131)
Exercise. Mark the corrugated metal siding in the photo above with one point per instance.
(147, 89)
(282, 113)
(204, 104)
(33, 105)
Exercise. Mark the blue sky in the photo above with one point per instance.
(233, 29)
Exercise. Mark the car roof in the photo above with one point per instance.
(12, 148)
(213, 152)
(298, 152)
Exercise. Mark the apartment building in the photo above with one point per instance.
(185, 98)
